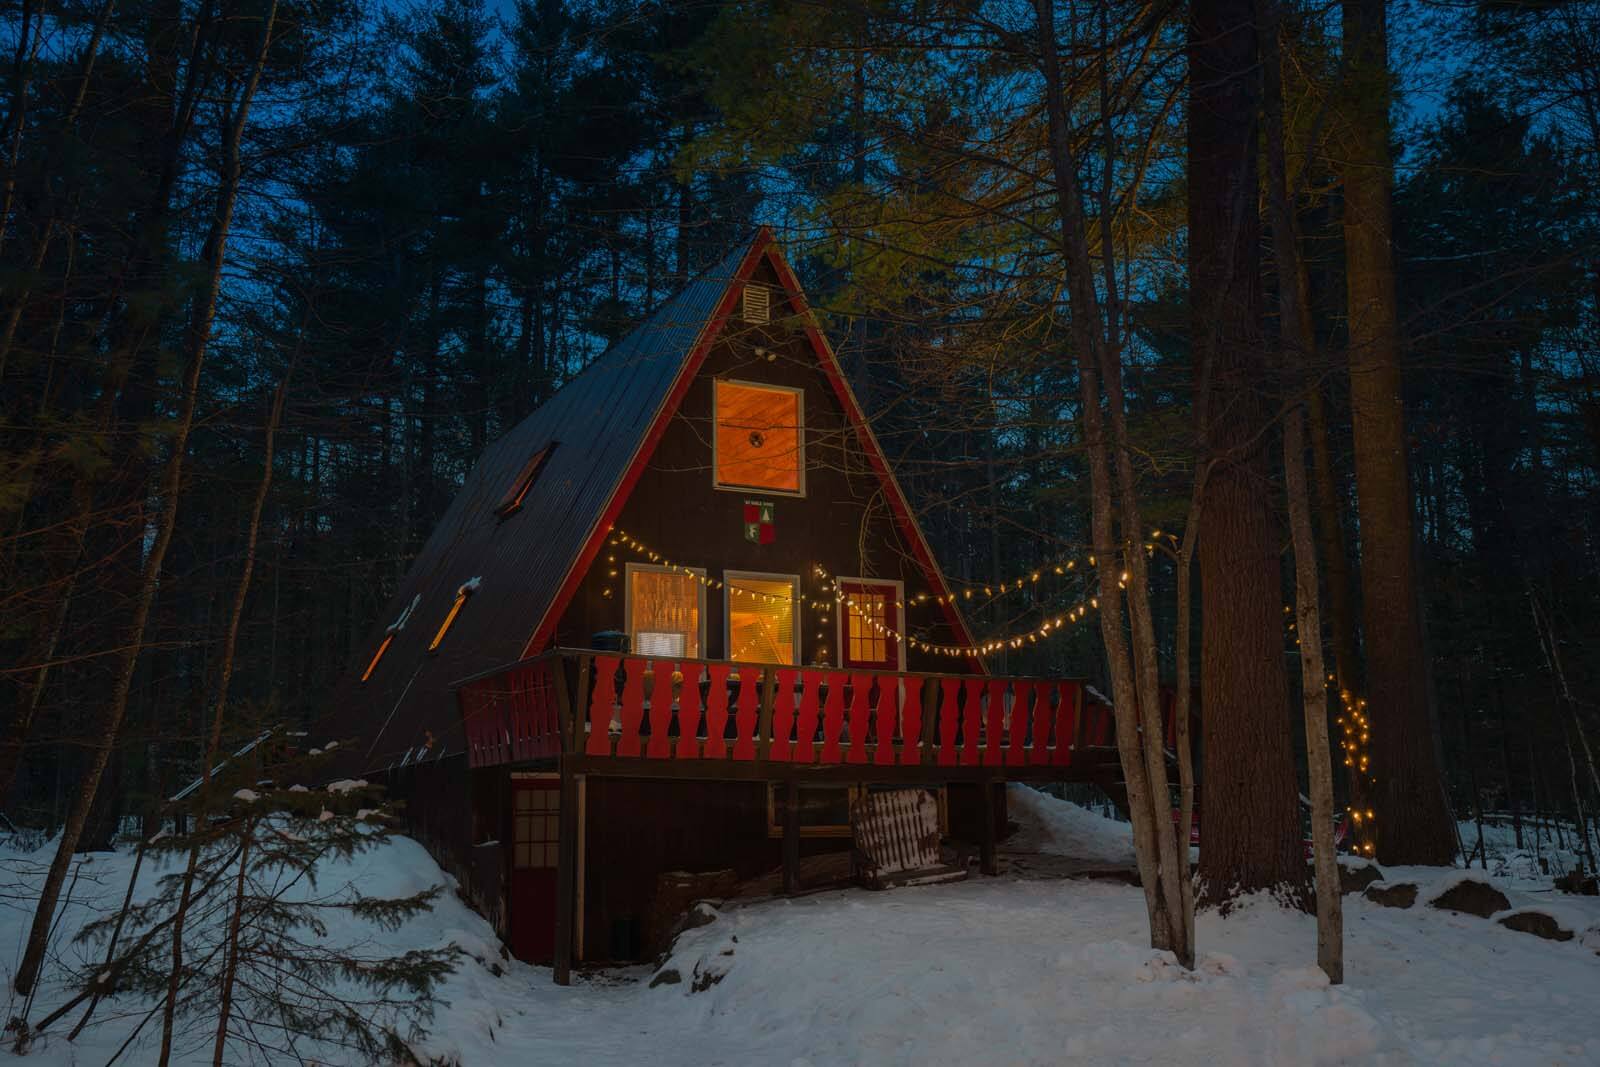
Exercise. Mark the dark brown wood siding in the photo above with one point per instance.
(638, 829)
(460, 816)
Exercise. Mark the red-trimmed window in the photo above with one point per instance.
(870, 625)
(517, 491)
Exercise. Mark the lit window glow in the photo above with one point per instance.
(867, 643)
(665, 614)
(468, 587)
(388, 639)
(759, 444)
(761, 619)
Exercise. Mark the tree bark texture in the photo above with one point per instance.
(1413, 821)
(1252, 822)
(1137, 719)
(1296, 340)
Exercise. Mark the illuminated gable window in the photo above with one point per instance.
(761, 617)
(759, 441)
(388, 636)
(467, 589)
(517, 491)
(666, 612)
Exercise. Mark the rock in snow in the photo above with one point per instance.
(1464, 893)
(1356, 876)
(1535, 922)
(1392, 895)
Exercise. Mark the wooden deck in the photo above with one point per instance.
(638, 716)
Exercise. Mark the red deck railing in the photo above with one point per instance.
(625, 708)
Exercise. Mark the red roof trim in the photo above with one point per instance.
(898, 503)
(647, 446)
(764, 245)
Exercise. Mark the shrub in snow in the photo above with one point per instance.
(1473, 896)
(1535, 922)
(1392, 895)
(243, 954)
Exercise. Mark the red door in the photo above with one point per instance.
(870, 625)
(535, 837)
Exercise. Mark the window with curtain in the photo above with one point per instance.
(762, 617)
(665, 612)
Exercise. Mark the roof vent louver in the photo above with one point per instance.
(756, 306)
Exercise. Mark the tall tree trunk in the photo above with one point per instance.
(1298, 341)
(1414, 824)
(1138, 716)
(198, 339)
(1331, 548)
(1252, 833)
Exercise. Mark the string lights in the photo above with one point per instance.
(837, 597)
(626, 540)
(1356, 727)
(983, 648)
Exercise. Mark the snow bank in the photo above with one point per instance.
(1049, 824)
(990, 970)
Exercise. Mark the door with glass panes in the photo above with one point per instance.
(535, 841)
(869, 625)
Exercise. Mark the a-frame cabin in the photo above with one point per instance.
(676, 621)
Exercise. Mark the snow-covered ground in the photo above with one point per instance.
(1001, 971)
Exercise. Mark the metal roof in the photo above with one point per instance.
(599, 419)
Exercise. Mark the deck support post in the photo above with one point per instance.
(566, 873)
(791, 838)
(987, 860)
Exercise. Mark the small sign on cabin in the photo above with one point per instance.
(758, 527)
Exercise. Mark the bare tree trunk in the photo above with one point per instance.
(1298, 341)
(172, 483)
(230, 967)
(218, 718)
(1414, 824)
(1137, 696)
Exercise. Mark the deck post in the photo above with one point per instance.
(769, 680)
(566, 872)
(791, 838)
(987, 861)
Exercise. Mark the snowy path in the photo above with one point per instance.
(1009, 971)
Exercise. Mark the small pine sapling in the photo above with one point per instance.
(281, 952)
